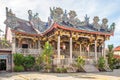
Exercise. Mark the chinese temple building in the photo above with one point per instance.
(69, 36)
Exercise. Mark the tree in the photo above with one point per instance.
(47, 54)
(4, 43)
(110, 56)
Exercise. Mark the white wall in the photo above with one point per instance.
(117, 52)
(9, 35)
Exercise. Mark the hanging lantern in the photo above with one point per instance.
(64, 46)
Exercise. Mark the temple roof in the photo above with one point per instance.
(60, 17)
(117, 48)
(24, 26)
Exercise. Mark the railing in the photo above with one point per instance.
(28, 51)
(67, 61)
(78, 53)
(7, 49)
(86, 54)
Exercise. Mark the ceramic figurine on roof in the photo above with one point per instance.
(112, 27)
(11, 19)
(56, 14)
(64, 17)
(104, 25)
(30, 15)
(36, 21)
(86, 19)
(73, 20)
(96, 25)
(72, 15)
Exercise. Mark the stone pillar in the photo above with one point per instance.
(58, 49)
(39, 46)
(71, 49)
(88, 49)
(80, 50)
(103, 49)
(96, 50)
(13, 49)
(13, 45)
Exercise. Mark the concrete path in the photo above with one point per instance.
(115, 75)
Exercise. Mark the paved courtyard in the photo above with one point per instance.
(115, 75)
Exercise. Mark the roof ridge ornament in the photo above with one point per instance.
(104, 26)
(96, 25)
(11, 20)
(86, 19)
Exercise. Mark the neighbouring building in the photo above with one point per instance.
(69, 36)
(5, 54)
(117, 52)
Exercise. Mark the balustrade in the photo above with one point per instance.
(28, 51)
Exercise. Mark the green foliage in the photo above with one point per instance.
(29, 61)
(37, 67)
(18, 68)
(110, 56)
(18, 59)
(4, 43)
(48, 49)
(61, 70)
(46, 55)
(101, 63)
(39, 60)
(116, 63)
(26, 62)
(80, 61)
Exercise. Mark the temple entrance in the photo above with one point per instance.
(2, 64)
(24, 45)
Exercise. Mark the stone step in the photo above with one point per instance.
(107, 68)
(90, 68)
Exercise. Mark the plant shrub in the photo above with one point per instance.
(80, 61)
(19, 68)
(18, 59)
(61, 70)
(37, 67)
(101, 63)
(110, 56)
(28, 62)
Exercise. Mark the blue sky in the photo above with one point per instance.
(102, 8)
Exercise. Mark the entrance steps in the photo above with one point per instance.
(107, 68)
(90, 68)
(70, 68)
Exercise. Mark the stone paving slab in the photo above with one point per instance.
(115, 75)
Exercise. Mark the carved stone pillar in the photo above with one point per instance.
(13, 45)
(13, 48)
(19, 43)
(96, 50)
(58, 49)
(88, 50)
(103, 49)
(80, 50)
(71, 49)
(39, 46)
